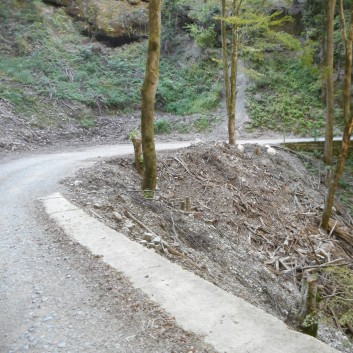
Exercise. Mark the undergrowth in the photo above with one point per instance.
(286, 97)
(50, 59)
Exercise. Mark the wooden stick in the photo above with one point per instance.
(170, 248)
(327, 264)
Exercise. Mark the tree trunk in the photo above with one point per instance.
(137, 143)
(230, 82)
(233, 80)
(330, 99)
(324, 53)
(308, 314)
(330, 198)
(347, 131)
(148, 91)
(348, 64)
(225, 57)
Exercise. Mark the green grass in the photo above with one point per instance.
(203, 124)
(51, 60)
(286, 98)
(345, 190)
(162, 126)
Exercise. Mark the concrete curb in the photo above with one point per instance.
(230, 324)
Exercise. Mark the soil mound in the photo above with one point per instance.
(253, 223)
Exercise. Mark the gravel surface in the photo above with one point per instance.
(56, 297)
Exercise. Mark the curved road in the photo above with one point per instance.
(52, 298)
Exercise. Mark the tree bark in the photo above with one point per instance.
(324, 53)
(225, 57)
(148, 91)
(348, 65)
(308, 314)
(137, 143)
(330, 198)
(230, 82)
(233, 80)
(331, 192)
(330, 99)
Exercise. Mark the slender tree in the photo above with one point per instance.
(244, 16)
(330, 91)
(230, 80)
(348, 118)
(148, 91)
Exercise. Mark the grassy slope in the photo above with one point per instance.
(46, 60)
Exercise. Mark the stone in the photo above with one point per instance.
(156, 240)
(198, 215)
(158, 248)
(111, 18)
(117, 216)
(48, 318)
(147, 236)
(62, 345)
(151, 245)
(128, 224)
(143, 242)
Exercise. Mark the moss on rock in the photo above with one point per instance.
(112, 18)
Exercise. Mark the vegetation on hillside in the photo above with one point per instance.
(285, 96)
(49, 59)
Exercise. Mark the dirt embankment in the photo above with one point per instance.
(253, 227)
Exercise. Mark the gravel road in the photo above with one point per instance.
(55, 296)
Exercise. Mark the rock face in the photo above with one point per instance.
(111, 18)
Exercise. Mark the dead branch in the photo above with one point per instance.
(141, 224)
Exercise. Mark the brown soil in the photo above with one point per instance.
(19, 135)
(253, 228)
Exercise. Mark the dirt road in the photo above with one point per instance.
(55, 297)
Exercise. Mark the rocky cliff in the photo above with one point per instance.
(118, 19)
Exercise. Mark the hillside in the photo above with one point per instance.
(72, 73)
(70, 76)
(253, 228)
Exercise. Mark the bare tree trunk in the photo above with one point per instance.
(348, 65)
(308, 314)
(330, 99)
(324, 54)
(330, 198)
(348, 124)
(230, 82)
(233, 80)
(225, 57)
(148, 91)
(137, 143)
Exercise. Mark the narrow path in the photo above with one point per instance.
(52, 297)
(52, 294)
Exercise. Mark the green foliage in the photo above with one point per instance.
(204, 37)
(162, 126)
(88, 122)
(51, 59)
(341, 278)
(135, 133)
(189, 89)
(200, 11)
(286, 98)
(203, 124)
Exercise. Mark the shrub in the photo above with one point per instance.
(162, 126)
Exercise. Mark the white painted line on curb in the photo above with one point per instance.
(229, 323)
